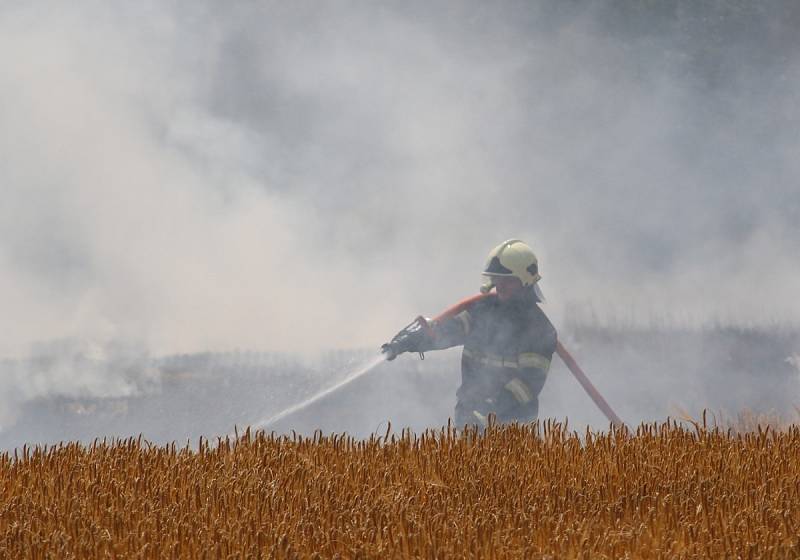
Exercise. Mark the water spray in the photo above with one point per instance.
(405, 339)
(363, 370)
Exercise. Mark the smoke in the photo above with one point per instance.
(300, 176)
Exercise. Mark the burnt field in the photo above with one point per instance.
(646, 374)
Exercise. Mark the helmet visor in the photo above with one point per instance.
(494, 266)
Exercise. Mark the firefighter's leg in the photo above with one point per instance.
(523, 413)
(470, 414)
(519, 400)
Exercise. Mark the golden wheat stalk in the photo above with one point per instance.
(512, 491)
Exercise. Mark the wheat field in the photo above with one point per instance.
(536, 491)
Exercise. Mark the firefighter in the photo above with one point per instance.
(508, 341)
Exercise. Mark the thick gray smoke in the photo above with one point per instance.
(300, 176)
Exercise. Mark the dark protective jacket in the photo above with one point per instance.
(507, 351)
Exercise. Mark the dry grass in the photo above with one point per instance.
(515, 491)
(742, 422)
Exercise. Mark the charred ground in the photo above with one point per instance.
(646, 374)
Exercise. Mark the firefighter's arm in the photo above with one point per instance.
(446, 330)
(423, 335)
(449, 331)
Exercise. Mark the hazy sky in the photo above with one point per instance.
(280, 176)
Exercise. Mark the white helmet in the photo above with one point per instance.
(512, 258)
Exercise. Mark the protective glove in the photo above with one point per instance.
(412, 338)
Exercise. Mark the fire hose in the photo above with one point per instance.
(587, 385)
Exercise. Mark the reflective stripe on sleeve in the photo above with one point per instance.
(464, 318)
